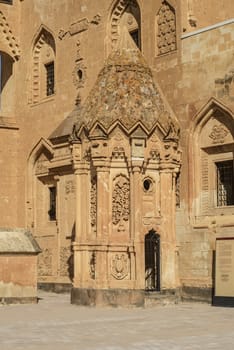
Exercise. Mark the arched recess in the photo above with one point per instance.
(43, 65)
(125, 13)
(211, 158)
(7, 84)
(166, 29)
(40, 156)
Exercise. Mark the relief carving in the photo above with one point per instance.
(92, 264)
(69, 187)
(65, 255)
(120, 266)
(93, 202)
(166, 29)
(218, 134)
(121, 200)
(79, 26)
(118, 153)
(45, 263)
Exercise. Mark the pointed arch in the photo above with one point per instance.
(8, 42)
(211, 141)
(43, 56)
(166, 29)
(42, 147)
(125, 13)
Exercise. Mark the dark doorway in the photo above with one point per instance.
(152, 261)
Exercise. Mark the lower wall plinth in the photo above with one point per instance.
(55, 287)
(18, 300)
(197, 294)
(108, 297)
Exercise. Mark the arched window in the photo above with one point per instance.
(214, 155)
(6, 83)
(43, 72)
(126, 13)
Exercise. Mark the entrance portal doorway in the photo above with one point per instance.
(152, 261)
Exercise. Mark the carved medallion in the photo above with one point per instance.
(119, 266)
(218, 134)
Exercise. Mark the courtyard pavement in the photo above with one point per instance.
(55, 324)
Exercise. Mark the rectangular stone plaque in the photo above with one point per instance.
(224, 272)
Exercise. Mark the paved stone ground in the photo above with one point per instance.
(55, 324)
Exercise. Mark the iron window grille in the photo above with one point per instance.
(225, 183)
(49, 79)
(52, 203)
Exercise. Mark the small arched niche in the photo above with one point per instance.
(43, 70)
(126, 13)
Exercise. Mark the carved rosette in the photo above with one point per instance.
(120, 266)
(166, 29)
(218, 134)
(121, 200)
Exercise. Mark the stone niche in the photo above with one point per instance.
(18, 267)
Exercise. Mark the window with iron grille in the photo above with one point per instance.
(225, 183)
(49, 79)
(52, 203)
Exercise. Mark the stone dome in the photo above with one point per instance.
(125, 92)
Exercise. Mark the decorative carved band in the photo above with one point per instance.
(121, 200)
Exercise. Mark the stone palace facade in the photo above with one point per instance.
(116, 133)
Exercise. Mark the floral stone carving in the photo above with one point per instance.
(121, 200)
(218, 134)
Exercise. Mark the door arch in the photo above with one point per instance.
(152, 261)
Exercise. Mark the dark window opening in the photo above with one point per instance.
(80, 74)
(225, 192)
(135, 34)
(147, 185)
(52, 203)
(7, 1)
(49, 79)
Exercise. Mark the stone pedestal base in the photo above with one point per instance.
(108, 297)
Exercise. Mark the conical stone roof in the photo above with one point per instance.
(125, 92)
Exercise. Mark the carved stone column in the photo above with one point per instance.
(103, 197)
(168, 238)
(136, 223)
